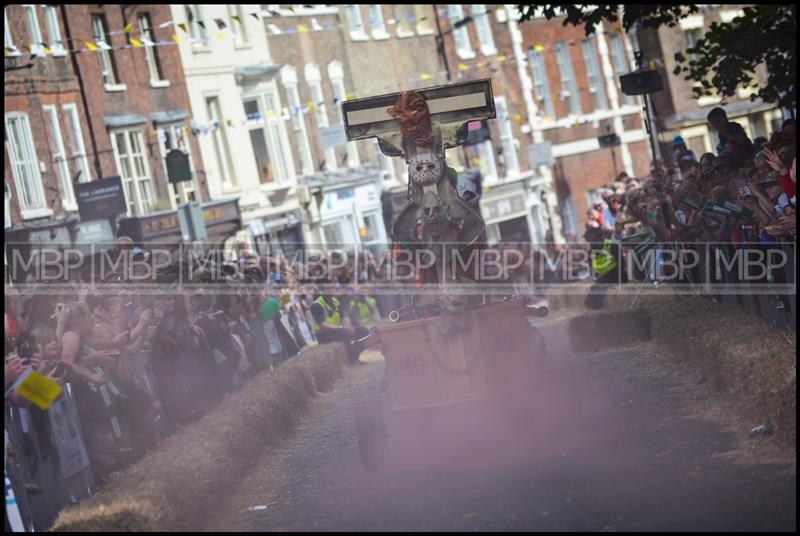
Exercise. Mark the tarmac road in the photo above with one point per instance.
(641, 462)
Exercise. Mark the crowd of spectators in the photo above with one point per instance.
(142, 363)
(743, 194)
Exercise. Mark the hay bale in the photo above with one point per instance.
(175, 482)
(743, 358)
(596, 331)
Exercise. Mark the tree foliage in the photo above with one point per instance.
(724, 59)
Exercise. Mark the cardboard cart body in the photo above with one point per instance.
(492, 383)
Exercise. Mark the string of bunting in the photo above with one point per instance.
(93, 44)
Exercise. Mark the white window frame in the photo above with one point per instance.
(184, 188)
(484, 29)
(379, 228)
(567, 77)
(355, 23)
(141, 206)
(507, 136)
(617, 53)
(242, 39)
(59, 153)
(153, 66)
(314, 81)
(336, 76)
(54, 31)
(13, 51)
(277, 141)
(197, 33)
(487, 162)
(222, 150)
(404, 18)
(460, 35)
(289, 81)
(423, 26)
(592, 68)
(34, 31)
(24, 147)
(79, 155)
(104, 55)
(378, 29)
(541, 83)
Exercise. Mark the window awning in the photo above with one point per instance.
(117, 121)
(252, 71)
(168, 116)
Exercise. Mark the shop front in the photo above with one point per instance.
(163, 229)
(281, 234)
(505, 211)
(353, 217)
(64, 250)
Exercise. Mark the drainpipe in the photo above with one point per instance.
(98, 171)
(533, 118)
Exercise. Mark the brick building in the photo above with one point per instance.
(48, 147)
(137, 101)
(94, 106)
(350, 51)
(45, 122)
(676, 109)
(552, 86)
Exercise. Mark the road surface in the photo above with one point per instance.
(642, 462)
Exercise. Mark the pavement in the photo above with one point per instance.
(641, 460)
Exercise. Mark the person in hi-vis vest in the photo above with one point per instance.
(326, 312)
(363, 310)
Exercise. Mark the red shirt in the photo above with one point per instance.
(788, 185)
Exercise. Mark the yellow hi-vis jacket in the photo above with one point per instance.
(603, 261)
(364, 309)
(332, 315)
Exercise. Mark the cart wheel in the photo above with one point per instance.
(372, 436)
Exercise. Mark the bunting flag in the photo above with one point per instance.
(237, 18)
(165, 24)
(255, 15)
(91, 46)
(46, 49)
(220, 24)
(302, 28)
(201, 24)
(25, 48)
(424, 76)
(463, 66)
(184, 27)
(128, 28)
(146, 42)
(103, 45)
(220, 36)
(176, 39)
(135, 42)
(538, 48)
(274, 29)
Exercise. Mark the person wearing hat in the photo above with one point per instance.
(680, 152)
